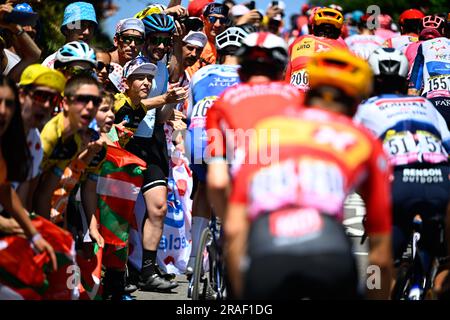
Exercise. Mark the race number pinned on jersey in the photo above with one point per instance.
(300, 79)
(405, 147)
(198, 115)
(441, 82)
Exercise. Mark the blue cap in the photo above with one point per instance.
(78, 11)
(23, 7)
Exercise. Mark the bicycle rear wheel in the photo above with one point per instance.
(198, 281)
(403, 282)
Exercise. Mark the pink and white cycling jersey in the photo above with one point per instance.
(411, 53)
(363, 45)
(431, 71)
(386, 33)
(401, 42)
(411, 129)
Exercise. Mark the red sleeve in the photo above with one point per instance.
(376, 193)
(239, 188)
(214, 126)
(287, 76)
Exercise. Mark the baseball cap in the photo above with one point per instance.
(79, 11)
(216, 8)
(23, 7)
(195, 7)
(196, 38)
(130, 24)
(139, 65)
(40, 75)
(239, 10)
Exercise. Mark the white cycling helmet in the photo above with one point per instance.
(264, 47)
(75, 51)
(389, 62)
(233, 36)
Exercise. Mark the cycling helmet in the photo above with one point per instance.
(385, 21)
(328, 16)
(232, 36)
(336, 7)
(411, 14)
(158, 23)
(388, 62)
(263, 47)
(151, 9)
(340, 68)
(434, 22)
(75, 51)
(356, 15)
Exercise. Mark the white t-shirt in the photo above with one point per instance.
(13, 59)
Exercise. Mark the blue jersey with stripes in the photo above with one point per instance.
(206, 86)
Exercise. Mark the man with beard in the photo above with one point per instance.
(129, 40)
(215, 19)
(150, 142)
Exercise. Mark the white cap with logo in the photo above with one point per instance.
(196, 38)
(130, 24)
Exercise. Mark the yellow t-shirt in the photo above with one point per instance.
(58, 152)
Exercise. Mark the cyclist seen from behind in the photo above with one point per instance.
(286, 214)
(206, 86)
(417, 141)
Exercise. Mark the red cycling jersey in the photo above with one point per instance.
(322, 157)
(240, 107)
(300, 51)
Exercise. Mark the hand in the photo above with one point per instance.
(42, 245)
(96, 237)
(96, 146)
(176, 11)
(180, 32)
(250, 17)
(177, 115)
(4, 10)
(10, 226)
(273, 12)
(178, 125)
(176, 94)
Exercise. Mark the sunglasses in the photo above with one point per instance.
(85, 99)
(101, 65)
(156, 41)
(213, 19)
(129, 39)
(10, 103)
(41, 97)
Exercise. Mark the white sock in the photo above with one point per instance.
(198, 225)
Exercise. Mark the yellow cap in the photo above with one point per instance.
(39, 75)
(340, 68)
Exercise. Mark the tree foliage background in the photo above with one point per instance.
(51, 14)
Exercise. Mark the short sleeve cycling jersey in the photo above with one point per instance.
(230, 120)
(125, 110)
(363, 45)
(205, 87)
(431, 71)
(58, 152)
(411, 129)
(400, 42)
(300, 51)
(322, 157)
